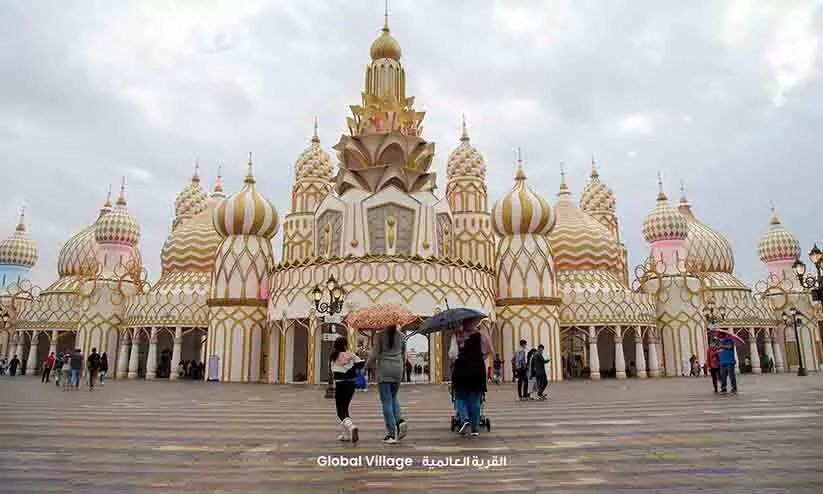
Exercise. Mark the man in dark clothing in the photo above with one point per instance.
(539, 371)
(104, 367)
(520, 371)
(469, 383)
(93, 366)
(15, 362)
(76, 365)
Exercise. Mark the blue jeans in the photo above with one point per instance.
(75, 378)
(391, 406)
(468, 403)
(727, 372)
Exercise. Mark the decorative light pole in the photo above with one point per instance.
(331, 311)
(793, 316)
(813, 283)
(714, 313)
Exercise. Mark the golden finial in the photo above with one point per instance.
(661, 196)
(386, 17)
(121, 199)
(21, 225)
(315, 137)
(196, 177)
(594, 168)
(249, 174)
(683, 199)
(218, 184)
(520, 175)
(107, 204)
(564, 189)
(775, 219)
(464, 136)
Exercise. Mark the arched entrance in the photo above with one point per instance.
(574, 353)
(297, 351)
(605, 352)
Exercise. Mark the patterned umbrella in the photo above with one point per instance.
(380, 316)
(725, 333)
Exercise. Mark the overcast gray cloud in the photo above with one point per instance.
(727, 95)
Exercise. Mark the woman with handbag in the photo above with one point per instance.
(344, 365)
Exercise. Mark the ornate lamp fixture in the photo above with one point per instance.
(333, 307)
(812, 283)
(793, 316)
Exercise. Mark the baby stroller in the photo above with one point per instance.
(484, 419)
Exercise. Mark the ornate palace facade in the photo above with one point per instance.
(549, 272)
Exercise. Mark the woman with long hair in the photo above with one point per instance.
(343, 365)
(389, 356)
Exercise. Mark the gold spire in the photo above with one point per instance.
(21, 225)
(519, 175)
(385, 46)
(315, 137)
(564, 189)
(775, 220)
(249, 175)
(107, 204)
(196, 177)
(661, 196)
(218, 184)
(121, 199)
(464, 136)
(683, 200)
(594, 168)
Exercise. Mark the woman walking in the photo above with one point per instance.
(469, 383)
(344, 366)
(389, 356)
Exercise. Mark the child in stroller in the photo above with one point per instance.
(456, 419)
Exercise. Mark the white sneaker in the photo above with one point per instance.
(389, 440)
(342, 437)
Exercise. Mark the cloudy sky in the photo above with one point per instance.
(726, 95)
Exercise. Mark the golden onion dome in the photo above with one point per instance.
(522, 210)
(314, 161)
(18, 249)
(78, 256)
(579, 242)
(117, 226)
(246, 212)
(192, 246)
(664, 222)
(385, 46)
(778, 244)
(191, 200)
(465, 161)
(597, 196)
(707, 251)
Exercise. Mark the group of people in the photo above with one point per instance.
(721, 363)
(66, 368)
(191, 369)
(388, 358)
(529, 368)
(11, 366)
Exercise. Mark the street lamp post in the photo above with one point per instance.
(793, 316)
(714, 313)
(812, 283)
(331, 308)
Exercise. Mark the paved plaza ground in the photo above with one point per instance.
(651, 436)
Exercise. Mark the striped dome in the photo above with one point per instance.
(707, 251)
(118, 226)
(522, 210)
(778, 244)
(465, 160)
(18, 249)
(78, 256)
(314, 161)
(246, 213)
(192, 246)
(578, 241)
(664, 222)
(597, 196)
(191, 200)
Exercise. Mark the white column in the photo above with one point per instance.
(31, 363)
(779, 362)
(654, 363)
(619, 358)
(18, 347)
(134, 363)
(53, 343)
(754, 355)
(151, 361)
(594, 359)
(176, 352)
(640, 358)
(123, 356)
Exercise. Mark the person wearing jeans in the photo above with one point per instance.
(519, 363)
(727, 363)
(389, 356)
(76, 365)
(469, 384)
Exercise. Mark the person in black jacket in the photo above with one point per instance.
(469, 383)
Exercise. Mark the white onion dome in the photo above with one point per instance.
(579, 242)
(707, 251)
(78, 256)
(664, 222)
(314, 161)
(778, 243)
(522, 211)
(118, 226)
(465, 160)
(597, 196)
(246, 212)
(18, 249)
(191, 200)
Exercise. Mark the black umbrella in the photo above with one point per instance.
(450, 318)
